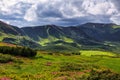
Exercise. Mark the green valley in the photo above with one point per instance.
(85, 52)
(59, 39)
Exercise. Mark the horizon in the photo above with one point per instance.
(58, 25)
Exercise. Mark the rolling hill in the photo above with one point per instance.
(85, 36)
(83, 52)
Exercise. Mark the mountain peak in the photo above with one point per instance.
(90, 23)
(97, 24)
(9, 29)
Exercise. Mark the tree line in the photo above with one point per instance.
(18, 51)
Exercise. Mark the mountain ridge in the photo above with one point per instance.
(89, 34)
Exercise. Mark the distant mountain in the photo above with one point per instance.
(43, 31)
(15, 35)
(102, 32)
(8, 29)
(86, 36)
(89, 31)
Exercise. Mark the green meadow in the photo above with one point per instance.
(56, 66)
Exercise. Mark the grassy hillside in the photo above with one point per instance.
(47, 37)
(50, 66)
(7, 44)
(116, 27)
(82, 52)
(96, 53)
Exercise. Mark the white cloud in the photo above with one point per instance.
(31, 14)
(60, 12)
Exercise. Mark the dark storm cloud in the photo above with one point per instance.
(50, 11)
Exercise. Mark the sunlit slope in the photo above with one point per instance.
(7, 44)
(93, 36)
(96, 53)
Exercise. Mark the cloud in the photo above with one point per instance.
(116, 3)
(59, 12)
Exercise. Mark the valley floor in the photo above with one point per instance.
(54, 66)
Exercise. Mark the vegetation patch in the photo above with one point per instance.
(18, 51)
(96, 53)
(103, 75)
(61, 67)
(115, 27)
(5, 58)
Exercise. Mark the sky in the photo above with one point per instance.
(59, 12)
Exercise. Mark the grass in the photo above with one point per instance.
(115, 27)
(112, 63)
(7, 44)
(1, 38)
(2, 35)
(59, 67)
(5, 58)
(68, 40)
(44, 41)
(95, 53)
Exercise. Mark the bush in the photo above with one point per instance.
(18, 51)
(71, 67)
(76, 53)
(103, 75)
(5, 58)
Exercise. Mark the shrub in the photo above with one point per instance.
(5, 58)
(76, 53)
(103, 75)
(50, 53)
(71, 67)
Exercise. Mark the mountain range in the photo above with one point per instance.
(51, 37)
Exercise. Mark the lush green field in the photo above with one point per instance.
(96, 53)
(54, 66)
